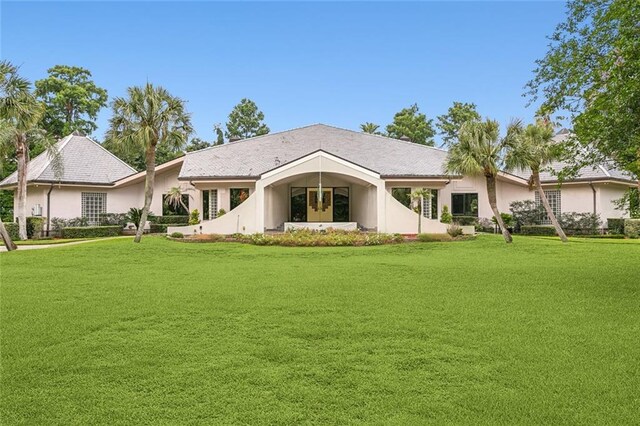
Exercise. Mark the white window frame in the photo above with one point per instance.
(93, 204)
(427, 204)
(554, 196)
(213, 203)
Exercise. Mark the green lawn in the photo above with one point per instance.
(470, 332)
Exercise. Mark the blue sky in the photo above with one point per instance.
(335, 63)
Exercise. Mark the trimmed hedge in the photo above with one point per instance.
(432, 238)
(12, 229)
(537, 230)
(161, 228)
(91, 231)
(615, 226)
(171, 220)
(35, 226)
(465, 220)
(632, 228)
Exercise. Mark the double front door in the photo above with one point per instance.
(319, 209)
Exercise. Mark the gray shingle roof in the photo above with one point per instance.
(83, 161)
(255, 156)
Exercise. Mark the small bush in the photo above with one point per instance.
(91, 231)
(161, 228)
(35, 226)
(111, 219)
(445, 216)
(485, 225)
(194, 217)
(134, 216)
(454, 231)
(177, 235)
(632, 228)
(526, 212)
(430, 238)
(537, 230)
(615, 226)
(12, 230)
(573, 223)
(506, 218)
(221, 212)
(172, 220)
(465, 220)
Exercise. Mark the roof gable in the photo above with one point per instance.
(83, 161)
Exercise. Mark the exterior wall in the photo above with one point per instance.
(224, 194)
(608, 194)
(363, 206)
(276, 207)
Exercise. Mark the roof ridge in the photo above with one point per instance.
(109, 152)
(254, 138)
(605, 171)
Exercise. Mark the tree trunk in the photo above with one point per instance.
(493, 202)
(150, 159)
(547, 206)
(22, 156)
(420, 216)
(8, 242)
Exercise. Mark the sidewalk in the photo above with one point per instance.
(72, 243)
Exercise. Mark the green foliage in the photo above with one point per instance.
(591, 72)
(196, 144)
(478, 150)
(221, 212)
(431, 238)
(309, 238)
(107, 219)
(246, 121)
(450, 123)
(632, 228)
(6, 202)
(615, 226)
(526, 212)
(175, 220)
(219, 134)
(465, 220)
(91, 231)
(580, 223)
(506, 218)
(537, 230)
(161, 228)
(194, 217)
(72, 100)
(135, 157)
(445, 216)
(370, 128)
(134, 215)
(629, 203)
(35, 226)
(454, 230)
(177, 235)
(12, 229)
(410, 122)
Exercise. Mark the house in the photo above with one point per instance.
(316, 177)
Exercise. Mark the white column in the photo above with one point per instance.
(381, 203)
(259, 218)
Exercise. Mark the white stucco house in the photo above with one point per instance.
(316, 176)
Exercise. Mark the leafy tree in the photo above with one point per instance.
(175, 198)
(135, 156)
(478, 152)
(196, 143)
(72, 100)
(417, 198)
(591, 73)
(411, 123)
(449, 124)
(149, 117)
(532, 148)
(246, 121)
(370, 128)
(20, 114)
(219, 134)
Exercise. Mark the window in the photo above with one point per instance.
(213, 203)
(554, 199)
(93, 205)
(298, 204)
(169, 209)
(237, 196)
(341, 204)
(205, 205)
(464, 204)
(403, 195)
(430, 205)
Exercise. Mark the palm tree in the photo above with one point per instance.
(370, 128)
(532, 148)
(174, 198)
(149, 117)
(20, 113)
(417, 198)
(478, 152)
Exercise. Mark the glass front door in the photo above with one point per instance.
(319, 209)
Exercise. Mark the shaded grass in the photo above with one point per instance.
(473, 332)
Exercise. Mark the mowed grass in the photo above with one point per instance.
(473, 332)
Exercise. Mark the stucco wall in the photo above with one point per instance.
(276, 206)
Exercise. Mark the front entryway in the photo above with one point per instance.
(308, 206)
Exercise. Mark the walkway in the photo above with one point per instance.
(72, 243)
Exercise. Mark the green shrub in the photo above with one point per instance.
(602, 236)
(573, 223)
(506, 218)
(485, 225)
(12, 230)
(537, 230)
(454, 231)
(161, 228)
(632, 228)
(465, 220)
(615, 226)
(134, 216)
(35, 226)
(221, 212)
(177, 235)
(430, 238)
(526, 212)
(91, 231)
(445, 216)
(194, 217)
(172, 220)
(110, 219)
